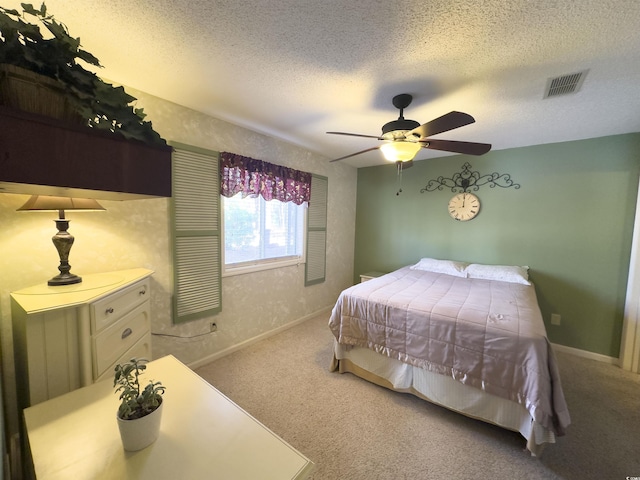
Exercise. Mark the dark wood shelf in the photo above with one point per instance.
(45, 156)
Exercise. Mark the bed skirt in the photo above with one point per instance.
(441, 390)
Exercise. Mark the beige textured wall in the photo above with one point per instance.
(136, 234)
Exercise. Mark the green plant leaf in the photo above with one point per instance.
(10, 11)
(28, 8)
(89, 58)
(140, 113)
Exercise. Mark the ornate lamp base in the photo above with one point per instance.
(63, 241)
(64, 279)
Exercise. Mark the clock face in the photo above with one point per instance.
(464, 206)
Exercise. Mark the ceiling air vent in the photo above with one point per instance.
(565, 84)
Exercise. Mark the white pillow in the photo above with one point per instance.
(502, 273)
(457, 269)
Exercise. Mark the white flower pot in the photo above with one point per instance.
(141, 432)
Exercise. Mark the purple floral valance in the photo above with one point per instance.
(252, 177)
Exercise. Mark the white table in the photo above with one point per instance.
(204, 435)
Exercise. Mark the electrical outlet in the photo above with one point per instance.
(214, 327)
(555, 319)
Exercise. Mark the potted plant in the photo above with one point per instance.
(26, 55)
(140, 409)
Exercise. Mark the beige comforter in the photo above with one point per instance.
(483, 333)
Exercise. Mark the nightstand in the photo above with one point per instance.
(369, 275)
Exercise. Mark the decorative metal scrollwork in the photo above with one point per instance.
(468, 180)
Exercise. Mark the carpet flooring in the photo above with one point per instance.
(354, 430)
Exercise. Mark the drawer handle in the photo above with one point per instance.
(142, 292)
(126, 333)
(108, 311)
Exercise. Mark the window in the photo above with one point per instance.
(275, 235)
(261, 234)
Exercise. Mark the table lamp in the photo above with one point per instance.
(62, 240)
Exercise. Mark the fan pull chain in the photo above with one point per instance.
(399, 178)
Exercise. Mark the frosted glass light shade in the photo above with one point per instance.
(400, 151)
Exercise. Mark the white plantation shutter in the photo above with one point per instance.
(196, 233)
(315, 269)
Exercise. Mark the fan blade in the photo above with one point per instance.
(470, 148)
(354, 154)
(355, 135)
(442, 124)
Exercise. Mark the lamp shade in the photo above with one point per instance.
(43, 202)
(400, 151)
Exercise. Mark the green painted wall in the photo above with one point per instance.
(571, 222)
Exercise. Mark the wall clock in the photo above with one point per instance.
(464, 206)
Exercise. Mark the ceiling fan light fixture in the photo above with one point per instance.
(400, 151)
(404, 138)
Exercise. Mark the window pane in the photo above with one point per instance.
(255, 229)
(241, 225)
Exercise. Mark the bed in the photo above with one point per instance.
(467, 337)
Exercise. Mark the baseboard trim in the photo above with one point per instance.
(586, 354)
(234, 348)
(251, 341)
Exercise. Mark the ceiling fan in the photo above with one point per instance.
(404, 138)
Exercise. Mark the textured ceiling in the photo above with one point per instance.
(295, 69)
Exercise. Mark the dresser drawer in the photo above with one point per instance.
(108, 310)
(142, 349)
(116, 339)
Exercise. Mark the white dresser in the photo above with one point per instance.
(66, 337)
